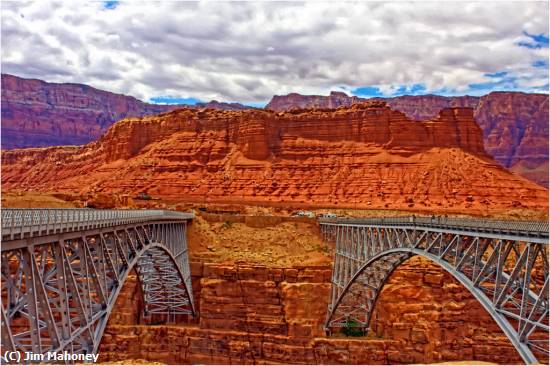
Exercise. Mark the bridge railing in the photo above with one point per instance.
(537, 228)
(28, 222)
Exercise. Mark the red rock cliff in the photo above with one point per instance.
(366, 156)
(515, 125)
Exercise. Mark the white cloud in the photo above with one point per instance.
(233, 51)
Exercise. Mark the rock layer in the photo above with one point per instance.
(366, 156)
(36, 113)
(255, 315)
(515, 125)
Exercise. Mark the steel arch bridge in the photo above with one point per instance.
(503, 264)
(62, 271)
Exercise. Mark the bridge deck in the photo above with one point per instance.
(25, 223)
(528, 229)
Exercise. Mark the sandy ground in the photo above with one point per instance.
(35, 200)
(285, 244)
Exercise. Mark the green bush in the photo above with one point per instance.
(353, 329)
(227, 225)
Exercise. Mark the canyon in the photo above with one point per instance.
(37, 113)
(364, 156)
(514, 124)
(261, 281)
(272, 310)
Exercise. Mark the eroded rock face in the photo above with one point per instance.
(515, 125)
(255, 315)
(295, 100)
(367, 155)
(36, 113)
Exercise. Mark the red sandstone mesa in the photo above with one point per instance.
(367, 155)
(515, 125)
(36, 113)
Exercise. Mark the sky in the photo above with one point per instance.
(173, 51)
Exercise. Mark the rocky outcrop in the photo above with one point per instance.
(222, 106)
(252, 314)
(36, 113)
(295, 100)
(515, 125)
(367, 155)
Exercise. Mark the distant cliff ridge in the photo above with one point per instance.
(36, 113)
(515, 125)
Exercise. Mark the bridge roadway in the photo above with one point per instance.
(504, 264)
(62, 271)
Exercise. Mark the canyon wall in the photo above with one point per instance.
(515, 125)
(36, 113)
(252, 314)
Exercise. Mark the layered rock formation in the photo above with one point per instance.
(366, 156)
(36, 113)
(251, 314)
(515, 125)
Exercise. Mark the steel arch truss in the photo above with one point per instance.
(57, 294)
(508, 276)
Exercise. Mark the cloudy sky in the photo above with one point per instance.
(247, 52)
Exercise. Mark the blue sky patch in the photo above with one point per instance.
(110, 4)
(536, 41)
(374, 91)
(413, 89)
(367, 91)
(255, 104)
(503, 82)
(497, 74)
(173, 100)
(541, 63)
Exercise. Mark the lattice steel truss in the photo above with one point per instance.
(62, 271)
(503, 264)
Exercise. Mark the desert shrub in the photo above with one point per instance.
(353, 329)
